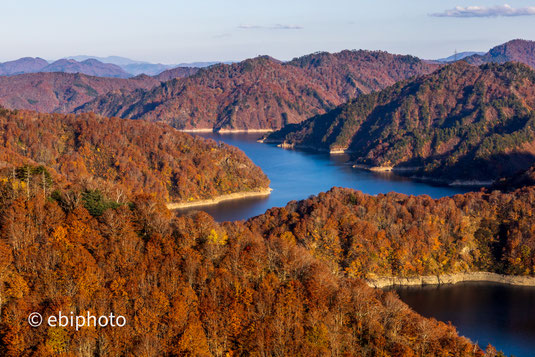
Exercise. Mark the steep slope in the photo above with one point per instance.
(91, 67)
(187, 286)
(396, 235)
(262, 93)
(459, 123)
(350, 73)
(22, 65)
(522, 51)
(62, 92)
(136, 156)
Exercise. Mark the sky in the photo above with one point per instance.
(171, 32)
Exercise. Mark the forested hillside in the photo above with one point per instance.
(522, 51)
(459, 123)
(187, 285)
(262, 93)
(62, 92)
(398, 235)
(134, 156)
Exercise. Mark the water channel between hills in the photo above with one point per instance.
(295, 175)
(484, 312)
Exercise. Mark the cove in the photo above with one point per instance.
(502, 315)
(298, 174)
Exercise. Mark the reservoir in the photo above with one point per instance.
(296, 175)
(484, 312)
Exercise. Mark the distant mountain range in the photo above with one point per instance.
(90, 67)
(63, 92)
(22, 65)
(458, 56)
(112, 66)
(262, 93)
(130, 66)
(258, 93)
(142, 67)
(461, 122)
(522, 51)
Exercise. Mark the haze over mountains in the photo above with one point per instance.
(22, 65)
(90, 67)
(58, 92)
(62, 92)
(459, 56)
(111, 66)
(131, 66)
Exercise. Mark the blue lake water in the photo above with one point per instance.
(501, 315)
(295, 175)
(486, 313)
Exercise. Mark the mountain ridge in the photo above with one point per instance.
(62, 92)
(89, 66)
(262, 93)
(518, 50)
(461, 122)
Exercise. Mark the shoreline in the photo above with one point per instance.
(404, 171)
(471, 183)
(230, 131)
(451, 279)
(219, 199)
(385, 168)
(225, 131)
(205, 130)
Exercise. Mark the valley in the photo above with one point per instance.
(347, 204)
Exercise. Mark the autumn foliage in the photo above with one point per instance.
(522, 51)
(398, 235)
(189, 286)
(460, 122)
(63, 92)
(262, 92)
(127, 157)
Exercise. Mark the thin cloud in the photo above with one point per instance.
(273, 27)
(485, 11)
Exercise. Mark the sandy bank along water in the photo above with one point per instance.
(225, 131)
(219, 199)
(385, 282)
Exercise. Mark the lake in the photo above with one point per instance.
(296, 175)
(484, 312)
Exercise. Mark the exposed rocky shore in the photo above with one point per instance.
(451, 279)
